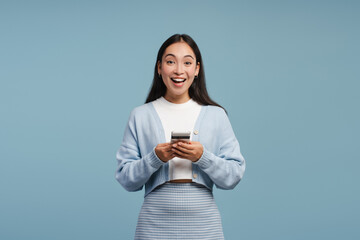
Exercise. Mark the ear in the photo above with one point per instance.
(197, 69)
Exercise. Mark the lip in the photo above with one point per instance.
(178, 84)
(182, 81)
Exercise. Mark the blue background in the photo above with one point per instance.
(286, 71)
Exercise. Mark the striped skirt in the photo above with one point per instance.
(179, 211)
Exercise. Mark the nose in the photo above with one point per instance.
(179, 69)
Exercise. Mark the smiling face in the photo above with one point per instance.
(178, 69)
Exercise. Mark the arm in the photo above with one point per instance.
(227, 168)
(134, 170)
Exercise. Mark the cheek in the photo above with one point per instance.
(190, 82)
(166, 70)
(192, 72)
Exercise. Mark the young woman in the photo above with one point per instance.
(179, 177)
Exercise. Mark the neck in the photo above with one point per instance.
(177, 99)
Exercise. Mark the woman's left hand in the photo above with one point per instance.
(192, 150)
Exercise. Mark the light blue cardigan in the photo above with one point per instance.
(138, 164)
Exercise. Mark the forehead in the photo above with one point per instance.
(179, 49)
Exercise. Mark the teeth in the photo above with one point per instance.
(178, 79)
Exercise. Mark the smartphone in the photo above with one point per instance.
(180, 136)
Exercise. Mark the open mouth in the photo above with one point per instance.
(178, 80)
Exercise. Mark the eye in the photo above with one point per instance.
(188, 63)
(170, 62)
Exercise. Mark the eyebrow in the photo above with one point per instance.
(170, 54)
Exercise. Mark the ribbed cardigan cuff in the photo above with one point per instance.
(205, 159)
(154, 160)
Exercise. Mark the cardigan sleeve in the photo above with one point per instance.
(227, 167)
(134, 170)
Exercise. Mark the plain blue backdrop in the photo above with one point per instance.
(286, 71)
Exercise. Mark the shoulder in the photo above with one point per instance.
(214, 116)
(215, 112)
(141, 111)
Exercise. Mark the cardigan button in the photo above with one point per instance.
(196, 132)
(195, 175)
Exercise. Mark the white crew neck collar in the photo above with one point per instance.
(176, 105)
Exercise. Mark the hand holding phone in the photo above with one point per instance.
(191, 151)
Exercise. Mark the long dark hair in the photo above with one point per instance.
(197, 90)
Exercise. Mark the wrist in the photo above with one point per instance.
(199, 155)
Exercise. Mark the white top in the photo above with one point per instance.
(178, 117)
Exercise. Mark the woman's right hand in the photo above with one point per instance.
(164, 152)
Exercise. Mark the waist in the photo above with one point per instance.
(181, 181)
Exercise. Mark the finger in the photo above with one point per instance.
(188, 146)
(178, 152)
(168, 148)
(164, 144)
(183, 149)
(172, 156)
